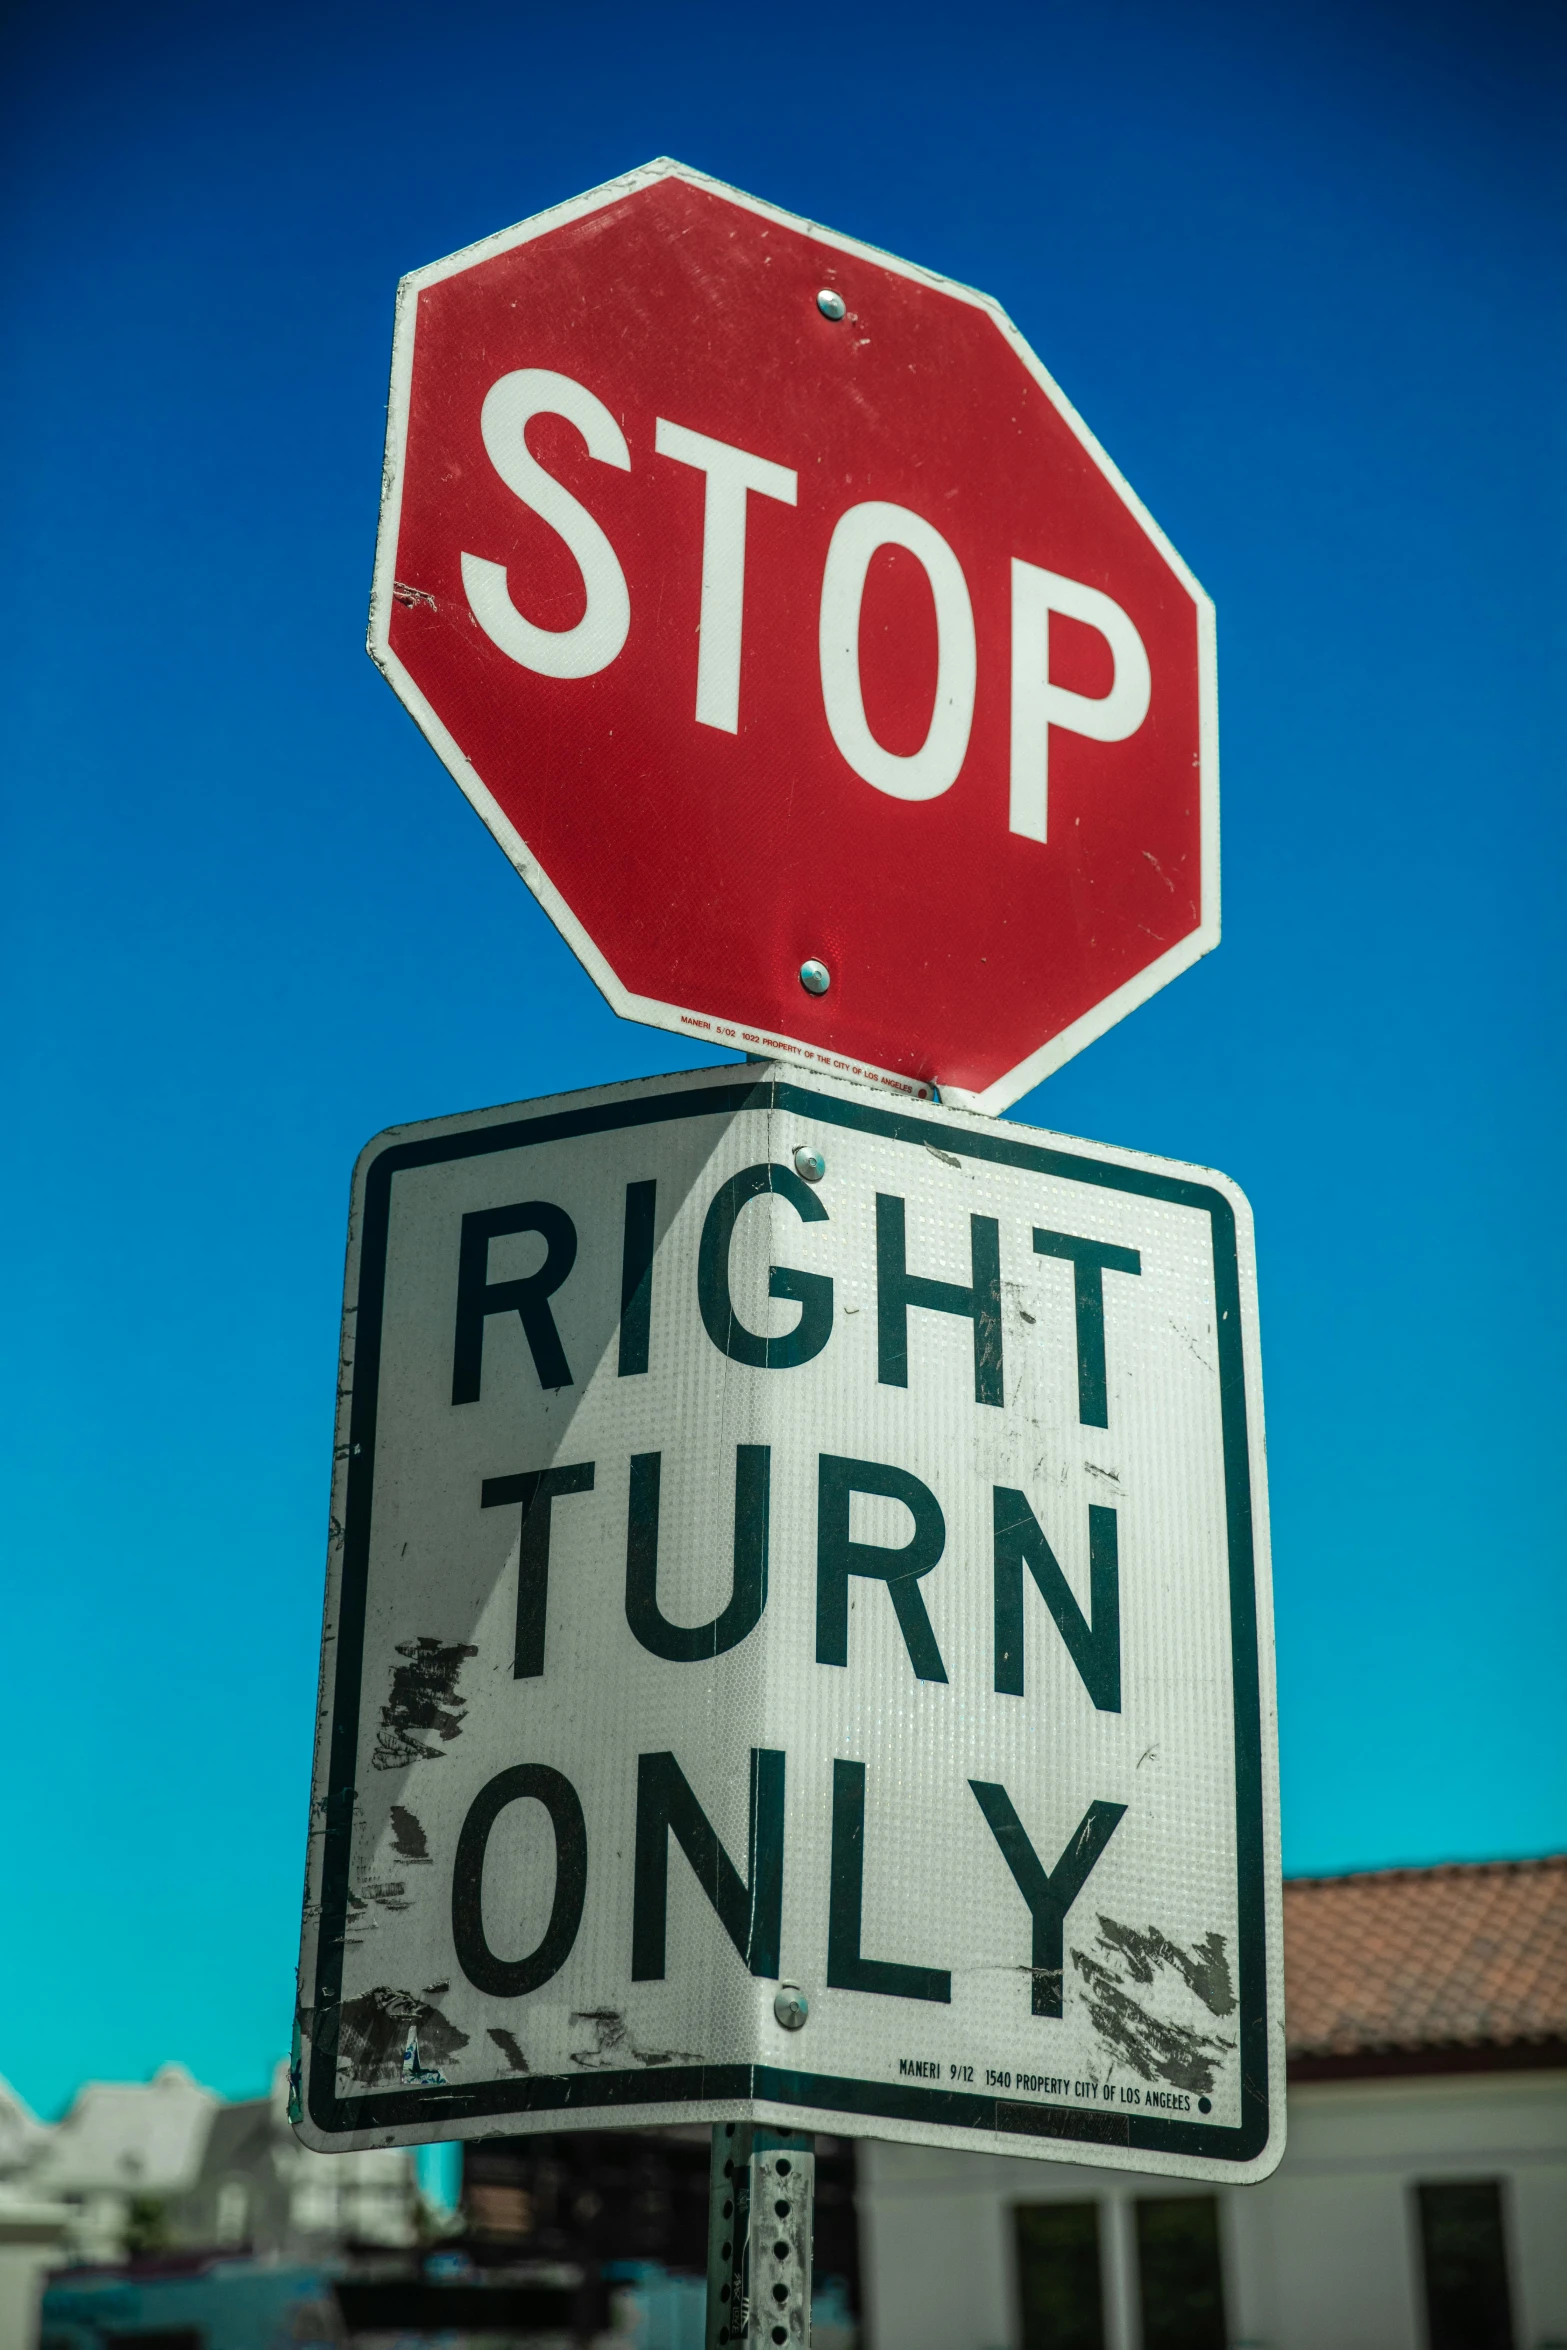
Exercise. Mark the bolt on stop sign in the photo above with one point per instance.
(795, 638)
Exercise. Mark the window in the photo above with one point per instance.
(232, 2219)
(1058, 2276)
(1179, 2272)
(1464, 2256)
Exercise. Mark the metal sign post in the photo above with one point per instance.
(759, 2238)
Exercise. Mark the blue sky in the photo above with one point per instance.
(1298, 268)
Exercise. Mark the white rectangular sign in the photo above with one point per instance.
(784, 1537)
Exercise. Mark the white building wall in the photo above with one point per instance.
(1323, 2256)
(30, 2239)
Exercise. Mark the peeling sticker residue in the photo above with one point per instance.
(613, 2046)
(1157, 2045)
(392, 1893)
(1205, 1967)
(423, 1698)
(415, 2071)
(506, 2042)
(377, 2029)
(408, 1839)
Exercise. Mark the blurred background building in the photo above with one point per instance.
(163, 2167)
(1421, 2205)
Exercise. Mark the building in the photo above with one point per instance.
(1421, 2204)
(31, 2234)
(121, 2158)
(257, 2189)
(161, 2166)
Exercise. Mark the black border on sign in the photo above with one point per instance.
(599, 2093)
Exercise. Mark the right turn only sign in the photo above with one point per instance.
(797, 1641)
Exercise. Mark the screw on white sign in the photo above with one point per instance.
(762, 1595)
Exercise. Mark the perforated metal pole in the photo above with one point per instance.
(762, 2188)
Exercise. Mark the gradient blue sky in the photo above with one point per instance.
(1300, 268)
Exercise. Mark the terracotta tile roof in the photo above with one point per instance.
(1391, 1969)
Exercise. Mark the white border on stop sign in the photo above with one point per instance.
(685, 1019)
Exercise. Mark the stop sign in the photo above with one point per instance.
(797, 641)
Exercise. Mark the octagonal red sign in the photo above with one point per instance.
(807, 656)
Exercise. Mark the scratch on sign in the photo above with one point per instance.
(378, 2030)
(613, 2045)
